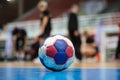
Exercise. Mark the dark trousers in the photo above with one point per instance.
(117, 55)
(45, 35)
(76, 40)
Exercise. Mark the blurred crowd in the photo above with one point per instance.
(17, 47)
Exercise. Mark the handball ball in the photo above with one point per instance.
(56, 53)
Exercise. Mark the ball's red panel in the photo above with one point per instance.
(69, 51)
(51, 51)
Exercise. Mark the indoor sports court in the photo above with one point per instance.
(59, 39)
(78, 71)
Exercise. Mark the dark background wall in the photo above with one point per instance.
(9, 11)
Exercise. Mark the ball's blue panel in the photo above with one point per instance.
(60, 45)
(53, 69)
(60, 58)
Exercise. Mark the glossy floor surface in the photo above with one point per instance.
(10, 73)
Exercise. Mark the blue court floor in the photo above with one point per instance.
(69, 74)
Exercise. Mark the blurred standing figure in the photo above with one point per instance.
(117, 55)
(73, 31)
(45, 19)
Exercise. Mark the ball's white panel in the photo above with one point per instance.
(69, 62)
(49, 62)
(49, 41)
(42, 52)
(58, 37)
(68, 42)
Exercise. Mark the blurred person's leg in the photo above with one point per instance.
(76, 40)
(117, 55)
(77, 44)
(34, 50)
(20, 51)
(36, 46)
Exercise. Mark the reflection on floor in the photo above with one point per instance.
(10, 73)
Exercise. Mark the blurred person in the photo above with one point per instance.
(73, 30)
(19, 37)
(117, 54)
(14, 35)
(45, 18)
(45, 29)
(89, 48)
